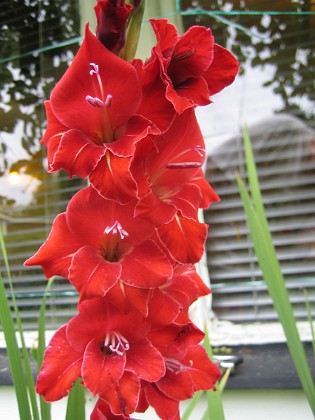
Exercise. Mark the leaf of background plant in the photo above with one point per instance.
(192, 405)
(215, 406)
(45, 408)
(310, 319)
(76, 402)
(29, 385)
(14, 355)
(271, 270)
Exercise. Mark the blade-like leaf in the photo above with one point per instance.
(270, 267)
(215, 406)
(192, 405)
(310, 319)
(13, 351)
(45, 408)
(76, 402)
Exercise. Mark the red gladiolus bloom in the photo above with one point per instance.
(188, 369)
(191, 66)
(112, 16)
(98, 242)
(93, 119)
(103, 346)
(167, 170)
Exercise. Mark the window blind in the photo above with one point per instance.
(285, 158)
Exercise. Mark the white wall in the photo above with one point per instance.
(238, 405)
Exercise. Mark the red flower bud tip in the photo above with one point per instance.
(112, 17)
(115, 229)
(115, 343)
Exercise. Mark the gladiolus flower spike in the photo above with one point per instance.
(129, 241)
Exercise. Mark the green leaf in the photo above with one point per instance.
(270, 267)
(310, 319)
(13, 351)
(214, 398)
(45, 408)
(192, 405)
(76, 402)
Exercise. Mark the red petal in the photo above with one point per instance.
(184, 239)
(152, 208)
(54, 126)
(124, 397)
(100, 372)
(61, 367)
(166, 408)
(166, 35)
(91, 275)
(145, 361)
(76, 154)
(203, 372)
(154, 106)
(192, 55)
(176, 385)
(222, 70)
(56, 253)
(146, 266)
(112, 179)
(208, 195)
(102, 411)
(163, 309)
(193, 92)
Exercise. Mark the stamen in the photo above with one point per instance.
(183, 165)
(174, 366)
(116, 228)
(94, 101)
(94, 69)
(181, 55)
(200, 150)
(107, 132)
(108, 101)
(116, 342)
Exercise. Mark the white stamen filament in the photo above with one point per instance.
(116, 228)
(116, 342)
(107, 101)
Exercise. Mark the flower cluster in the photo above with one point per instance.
(129, 241)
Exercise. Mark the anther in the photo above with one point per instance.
(116, 342)
(94, 69)
(108, 101)
(116, 228)
(94, 101)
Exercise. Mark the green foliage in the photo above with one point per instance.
(271, 270)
